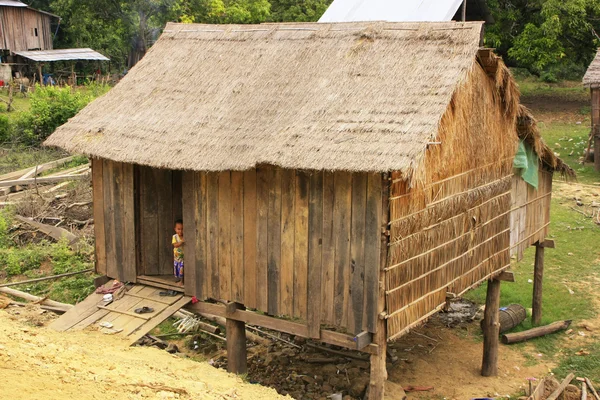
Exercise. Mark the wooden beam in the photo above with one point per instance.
(292, 328)
(548, 243)
(561, 387)
(538, 278)
(491, 329)
(46, 179)
(236, 345)
(506, 276)
(363, 339)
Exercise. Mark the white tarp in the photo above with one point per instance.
(391, 10)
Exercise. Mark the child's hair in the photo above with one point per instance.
(179, 221)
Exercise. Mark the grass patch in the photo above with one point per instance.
(566, 91)
(13, 158)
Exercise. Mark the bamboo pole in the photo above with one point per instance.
(46, 278)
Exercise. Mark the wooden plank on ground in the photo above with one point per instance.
(262, 206)
(81, 310)
(315, 235)
(357, 251)
(237, 236)
(372, 249)
(342, 212)
(189, 230)
(327, 281)
(250, 212)
(155, 321)
(286, 285)
(301, 245)
(225, 235)
(274, 240)
(212, 241)
(98, 201)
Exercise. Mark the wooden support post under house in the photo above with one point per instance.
(538, 277)
(491, 329)
(378, 374)
(236, 345)
(41, 77)
(73, 77)
(464, 10)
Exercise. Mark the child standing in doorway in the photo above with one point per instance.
(178, 243)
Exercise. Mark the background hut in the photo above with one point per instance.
(591, 80)
(347, 175)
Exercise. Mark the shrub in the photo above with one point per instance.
(5, 129)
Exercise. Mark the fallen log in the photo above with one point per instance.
(30, 297)
(517, 337)
(45, 179)
(561, 388)
(52, 231)
(46, 278)
(40, 168)
(592, 389)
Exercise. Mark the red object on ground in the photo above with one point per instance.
(194, 300)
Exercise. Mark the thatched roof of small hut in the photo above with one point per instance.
(348, 96)
(528, 131)
(592, 75)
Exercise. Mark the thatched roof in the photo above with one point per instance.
(350, 96)
(528, 130)
(592, 75)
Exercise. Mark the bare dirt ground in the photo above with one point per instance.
(37, 363)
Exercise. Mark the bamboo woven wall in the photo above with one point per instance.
(304, 245)
(451, 229)
(530, 212)
(17, 29)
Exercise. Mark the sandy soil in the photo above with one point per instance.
(452, 365)
(37, 363)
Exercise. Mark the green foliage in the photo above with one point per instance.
(300, 11)
(5, 129)
(50, 107)
(553, 38)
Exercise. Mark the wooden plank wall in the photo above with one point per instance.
(285, 242)
(17, 29)
(114, 215)
(530, 212)
(160, 205)
(595, 92)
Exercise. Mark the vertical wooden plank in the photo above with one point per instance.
(212, 237)
(189, 231)
(200, 220)
(225, 235)
(150, 252)
(250, 212)
(342, 212)
(117, 196)
(166, 223)
(262, 204)
(315, 239)
(357, 251)
(274, 240)
(129, 251)
(286, 285)
(301, 245)
(98, 198)
(177, 193)
(109, 220)
(328, 283)
(372, 250)
(237, 236)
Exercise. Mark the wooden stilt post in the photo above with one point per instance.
(378, 374)
(236, 345)
(538, 277)
(40, 74)
(491, 329)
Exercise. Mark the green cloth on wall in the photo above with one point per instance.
(527, 163)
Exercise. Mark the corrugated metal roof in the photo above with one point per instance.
(62, 55)
(391, 10)
(11, 3)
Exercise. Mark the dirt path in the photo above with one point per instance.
(37, 363)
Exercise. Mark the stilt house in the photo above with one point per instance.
(591, 80)
(340, 179)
